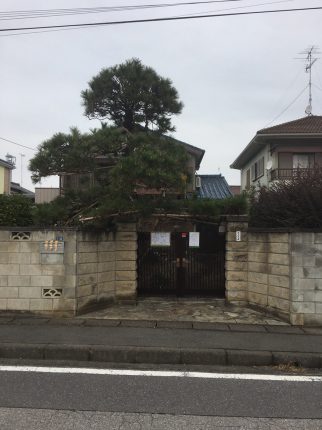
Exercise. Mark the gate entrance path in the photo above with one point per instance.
(180, 269)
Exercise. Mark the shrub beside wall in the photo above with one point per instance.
(15, 210)
(291, 203)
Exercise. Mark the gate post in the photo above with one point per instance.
(236, 259)
(125, 262)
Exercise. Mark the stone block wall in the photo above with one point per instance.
(95, 268)
(34, 280)
(91, 270)
(280, 272)
(306, 256)
(106, 267)
(125, 262)
(236, 261)
(269, 271)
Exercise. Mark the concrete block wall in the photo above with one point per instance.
(31, 280)
(306, 255)
(269, 271)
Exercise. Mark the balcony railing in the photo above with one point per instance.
(286, 173)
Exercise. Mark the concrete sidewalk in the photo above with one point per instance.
(158, 342)
(186, 309)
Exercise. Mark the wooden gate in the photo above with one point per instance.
(181, 269)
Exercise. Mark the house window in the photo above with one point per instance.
(248, 179)
(303, 161)
(288, 160)
(285, 160)
(257, 169)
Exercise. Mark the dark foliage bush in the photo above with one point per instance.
(55, 213)
(15, 210)
(90, 209)
(296, 202)
(236, 205)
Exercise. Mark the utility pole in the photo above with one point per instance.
(21, 157)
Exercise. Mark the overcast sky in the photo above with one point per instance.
(233, 74)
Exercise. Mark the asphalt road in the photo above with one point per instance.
(179, 396)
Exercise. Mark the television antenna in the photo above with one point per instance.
(309, 56)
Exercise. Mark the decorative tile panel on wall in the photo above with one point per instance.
(52, 247)
(20, 235)
(52, 292)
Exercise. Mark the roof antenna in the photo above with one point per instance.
(310, 60)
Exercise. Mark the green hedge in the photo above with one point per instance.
(15, 210)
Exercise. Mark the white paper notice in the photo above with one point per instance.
(160, 239)
(194, 239)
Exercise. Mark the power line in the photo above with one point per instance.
(174, 18)
(239, 7)
(48, 13)
(287, 107)
(191, 14)
(18, 144)
(40, 13)
(282, 97)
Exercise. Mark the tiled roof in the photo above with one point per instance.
(197, 152)
(214, 187)
(309, 125)
(18, 189)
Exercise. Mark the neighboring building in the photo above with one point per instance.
(82, 181)
(16, 188)
(213, 187)
(235, 190)
(275, 153)
(46, 195)
(5, 176)
(6, 185)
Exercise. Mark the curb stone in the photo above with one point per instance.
(158, 355)
(249, 358)
(302, 359)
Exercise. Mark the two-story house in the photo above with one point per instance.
(275, 153)
(85, 180)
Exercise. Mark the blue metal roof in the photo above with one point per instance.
(214, 187)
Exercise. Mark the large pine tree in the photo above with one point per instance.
(130, 95)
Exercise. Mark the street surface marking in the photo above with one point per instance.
(160, 373)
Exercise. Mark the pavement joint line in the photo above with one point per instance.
(161, 373)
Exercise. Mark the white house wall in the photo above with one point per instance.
(263, 180)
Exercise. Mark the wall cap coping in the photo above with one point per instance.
(283, 230)
(56, 228)
(35, 228)
(234, 218)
